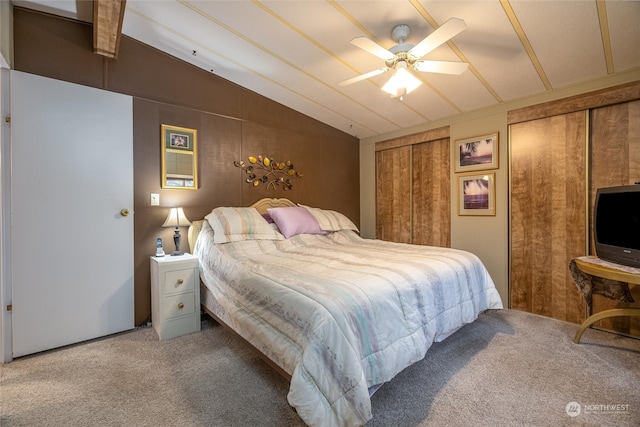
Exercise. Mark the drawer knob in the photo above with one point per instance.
(180, 306)
(180, 281)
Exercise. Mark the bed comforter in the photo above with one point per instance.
(341, 313)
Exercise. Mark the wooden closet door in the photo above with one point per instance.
(615, 160)
(431, 193)
(393, 194)
(548, 214)
(615, 148)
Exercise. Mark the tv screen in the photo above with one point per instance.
(617, 224)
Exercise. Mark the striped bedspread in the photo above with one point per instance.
(340, 313)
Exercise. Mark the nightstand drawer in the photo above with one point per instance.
(179, 281)
(179, 305)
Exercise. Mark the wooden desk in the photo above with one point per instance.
(619, 274)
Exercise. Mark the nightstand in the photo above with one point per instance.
(175, 295)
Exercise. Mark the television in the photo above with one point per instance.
(617, 224)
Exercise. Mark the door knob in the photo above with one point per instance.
(124, 212)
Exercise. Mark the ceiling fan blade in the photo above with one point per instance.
(443, 67)
(373, 48)
(449, 29)
(364, 76)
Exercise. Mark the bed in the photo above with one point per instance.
(336, 314)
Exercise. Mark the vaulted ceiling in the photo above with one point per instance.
(297, 51)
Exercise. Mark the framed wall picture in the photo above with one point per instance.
(476, 153)
(179, 157)
(477, 194)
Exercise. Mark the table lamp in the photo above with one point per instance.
(176, 219)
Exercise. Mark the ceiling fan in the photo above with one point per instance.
(404, 57)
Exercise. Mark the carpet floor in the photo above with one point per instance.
(509, 368)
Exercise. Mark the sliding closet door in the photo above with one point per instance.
(548, 214)
(615, 148)
(615, 160)
(413, 191)
(71, 245)
(431, 193)
(393, 194)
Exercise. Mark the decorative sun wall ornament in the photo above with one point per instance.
(273, 173)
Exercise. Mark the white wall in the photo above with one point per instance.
(487, 237)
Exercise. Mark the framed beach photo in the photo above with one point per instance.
(477, 194)
(476, 153)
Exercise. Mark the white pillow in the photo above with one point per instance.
(235, 224)
(331, 220)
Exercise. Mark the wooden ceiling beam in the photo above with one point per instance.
(107, 26)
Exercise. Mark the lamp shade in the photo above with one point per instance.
(402, 82)
(176, 218)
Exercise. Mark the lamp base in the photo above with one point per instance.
(176, 240)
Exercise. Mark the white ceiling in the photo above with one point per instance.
(296, 51)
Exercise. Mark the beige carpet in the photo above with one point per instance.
(509, 368)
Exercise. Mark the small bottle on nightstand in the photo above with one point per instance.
(159, 248)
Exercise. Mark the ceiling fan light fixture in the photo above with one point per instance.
(402, 82)
(405, 55)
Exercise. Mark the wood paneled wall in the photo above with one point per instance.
(232, 123)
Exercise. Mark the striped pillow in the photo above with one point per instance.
(331, 220)
(235, 224)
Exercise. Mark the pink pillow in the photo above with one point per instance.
(295, 220)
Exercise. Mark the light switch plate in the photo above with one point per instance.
(155, 199)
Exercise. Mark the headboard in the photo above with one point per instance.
(261, 205)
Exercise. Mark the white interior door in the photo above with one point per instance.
(71, 248)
